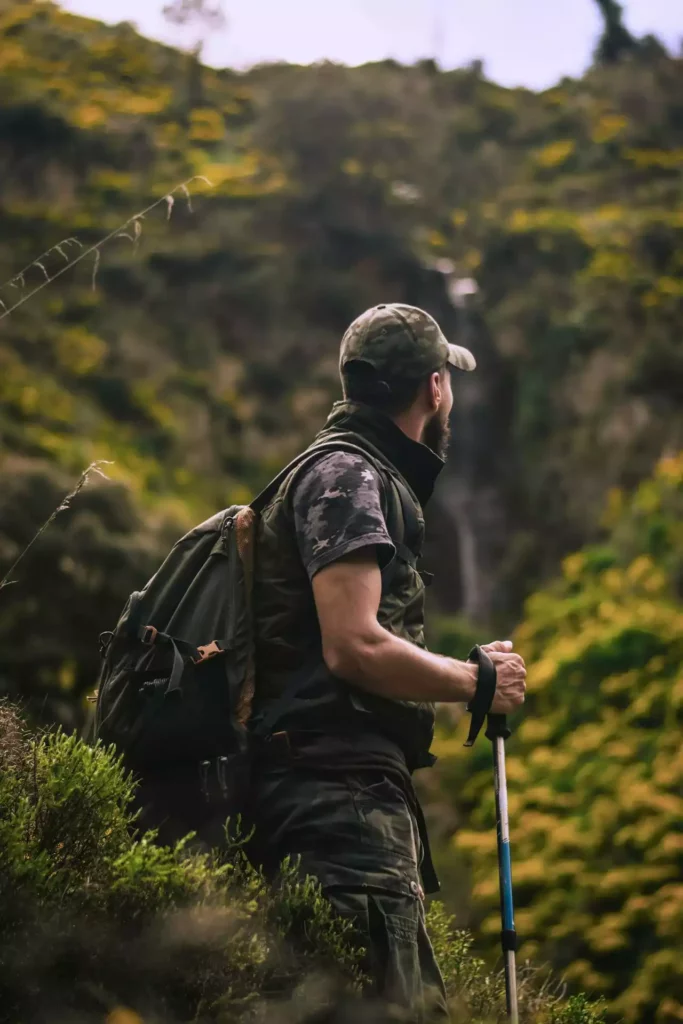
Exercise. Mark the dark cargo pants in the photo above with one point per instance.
(355, 832)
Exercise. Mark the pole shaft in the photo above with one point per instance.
(505, 876)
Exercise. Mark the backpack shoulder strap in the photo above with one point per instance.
(403, 523)
(309, 455)
(270, 490)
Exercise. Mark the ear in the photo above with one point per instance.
(435, 391)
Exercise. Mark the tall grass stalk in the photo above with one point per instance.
(93, 469)
(134, 222)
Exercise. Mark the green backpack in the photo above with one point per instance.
(177, 676)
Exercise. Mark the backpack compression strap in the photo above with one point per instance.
(245, 529)
(152, 636)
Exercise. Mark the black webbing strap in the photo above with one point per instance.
(151, 636)
(264, 724)
(480, 704)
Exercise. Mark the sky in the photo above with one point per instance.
(522, 42)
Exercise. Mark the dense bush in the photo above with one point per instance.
(96, 919)
(93, 916)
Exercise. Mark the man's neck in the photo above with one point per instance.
(417, 463)
(411, 423)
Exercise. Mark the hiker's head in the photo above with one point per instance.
(396, 359)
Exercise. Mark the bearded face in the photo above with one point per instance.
(437, 431)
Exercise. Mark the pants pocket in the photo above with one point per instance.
(384, 817)
(394, 923)
(398, 955)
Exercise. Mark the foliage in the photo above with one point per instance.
(616, 39)
(577, 1010)
(335, 187)
(476, 993)
(87, 561)
(95, 915)
(99, 915)
(595, 768)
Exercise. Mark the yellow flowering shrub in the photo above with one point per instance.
(596, 767)
(555, 153)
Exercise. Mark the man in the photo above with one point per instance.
(345, 689)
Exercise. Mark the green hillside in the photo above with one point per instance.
(196, 351)
(207, 351)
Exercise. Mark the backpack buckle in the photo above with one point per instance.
(148, 634)
(207, 651)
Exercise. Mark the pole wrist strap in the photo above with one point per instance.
(486, 688)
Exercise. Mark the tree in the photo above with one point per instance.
(616, 40)
(211, 18)
(180, 12)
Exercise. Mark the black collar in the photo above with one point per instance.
(417, 463)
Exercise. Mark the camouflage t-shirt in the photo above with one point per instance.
(337, 507)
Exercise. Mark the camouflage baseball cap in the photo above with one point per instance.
(401, 342)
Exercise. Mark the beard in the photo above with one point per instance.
(437, 435)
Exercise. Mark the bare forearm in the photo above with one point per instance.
(386, 665)
(358, 649)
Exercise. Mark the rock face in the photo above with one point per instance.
(469, 527)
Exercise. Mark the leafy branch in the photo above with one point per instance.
(130, 229)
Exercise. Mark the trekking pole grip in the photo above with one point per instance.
(497, 725)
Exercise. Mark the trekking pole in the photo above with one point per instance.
(497, 731)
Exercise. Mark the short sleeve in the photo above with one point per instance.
(337, 509)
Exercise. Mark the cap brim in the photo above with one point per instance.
(461, 357)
